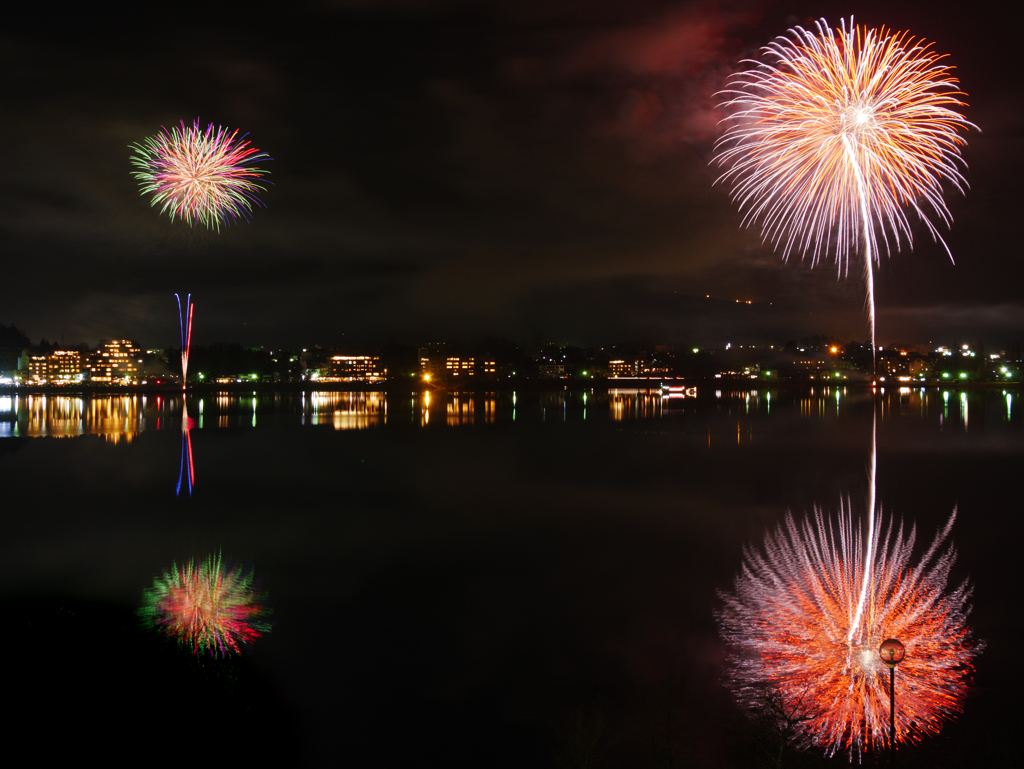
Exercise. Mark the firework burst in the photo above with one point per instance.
(206, 607)
(836, 136)
(807, 616)
(198, 175)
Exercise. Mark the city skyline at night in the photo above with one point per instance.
(123, 362)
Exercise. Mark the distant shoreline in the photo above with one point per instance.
(737, 384)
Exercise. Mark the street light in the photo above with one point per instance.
(892, 652)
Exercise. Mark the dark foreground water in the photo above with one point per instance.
(478, 581)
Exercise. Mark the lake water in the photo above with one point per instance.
(466, 580)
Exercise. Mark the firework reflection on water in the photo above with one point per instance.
(206, 606)
(793, 624)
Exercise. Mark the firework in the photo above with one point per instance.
(206, 607)
(836, 136)
(204, 176)
(185, 321)
(809, 612)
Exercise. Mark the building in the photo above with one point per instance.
(65, 366)
(38, 368)
(432, 363)
(115, 362)
(457, 367)
(620, 368)
(59, 367)
(354, 368)
(438, 364)
(654, 368)
(551, 370)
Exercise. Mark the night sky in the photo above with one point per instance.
(529, 169)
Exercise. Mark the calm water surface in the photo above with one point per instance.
(467, 580)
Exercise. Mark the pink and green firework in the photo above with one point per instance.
(206, 607)
(200, 175)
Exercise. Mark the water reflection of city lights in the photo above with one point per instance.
(121, 417)
(677, 392)
(555, 403)
(634, 404)
(345, 410)
(460, 410)
(8, 416)
(115, 418)
(359, 411)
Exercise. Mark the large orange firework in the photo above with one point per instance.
(836, 136)
(808, 614)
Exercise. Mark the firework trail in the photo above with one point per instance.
(206, 607)
(835, 136)
(204, 176)
(185, 321)
(807, 616)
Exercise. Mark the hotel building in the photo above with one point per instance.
(115, 362)
(354, 368)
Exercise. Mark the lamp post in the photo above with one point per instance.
(892, 652)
